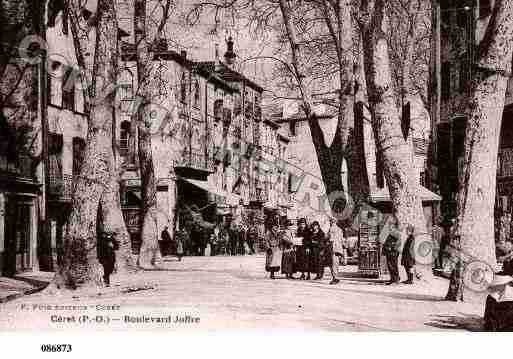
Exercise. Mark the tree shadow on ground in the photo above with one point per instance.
(472, 323)
(395, 295)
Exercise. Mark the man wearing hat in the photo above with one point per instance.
(107, 245)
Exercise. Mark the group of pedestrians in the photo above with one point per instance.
(391, 249)
(307, 250)
(222, 240)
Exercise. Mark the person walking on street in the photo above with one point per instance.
(335, 237)
(181, 237)
(273, 250)
(408, 257)
(165, 241)
(289, 257)
(106, 254)
(303, 250)
(317, 244)
(390, 248)
(252, 238)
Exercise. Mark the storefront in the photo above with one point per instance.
(18, 224)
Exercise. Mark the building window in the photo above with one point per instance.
(124, 136)
(183, 88)
(126, 94)
(68, 89)
(446, 80)
(79, 145)
(293, 128)
(197, 94)
(423, 178)
(237, 107)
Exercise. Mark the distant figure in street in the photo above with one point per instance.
(408, 258)
(318, 249)
(252, 238)
(335, 237)
(233, 238)
(241, 239)
(107, 245)
(165, 241)
(437, 233)
(390, 248)
(303, 251)
(181, 237)
(289, 257)
(273, 250)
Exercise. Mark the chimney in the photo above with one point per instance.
(183, 54)
(230, 55)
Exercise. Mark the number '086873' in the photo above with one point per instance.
(56, 348)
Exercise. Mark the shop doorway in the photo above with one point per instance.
(17, 237)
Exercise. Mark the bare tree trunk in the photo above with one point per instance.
(386, 124)
(337, 16)
(113, 221)
(80, 267)
(477, 181)
(150, 252)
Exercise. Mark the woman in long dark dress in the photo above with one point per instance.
(289, 256)
(317, 239)
(303, 251)
(273, 250)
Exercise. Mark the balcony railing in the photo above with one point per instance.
(505, 162)
(18, 167)
(259, 193)
(60, 186)
(195, 160)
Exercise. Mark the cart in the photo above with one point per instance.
(369, 251)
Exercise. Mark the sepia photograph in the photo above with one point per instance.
(327, 166)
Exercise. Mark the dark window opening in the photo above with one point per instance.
(197, 95)
(68, 89)
(183, 89)
(78, 154)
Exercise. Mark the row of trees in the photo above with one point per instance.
(359, 61)
(377, 53)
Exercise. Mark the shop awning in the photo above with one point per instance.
(231, 199)
(382, 195)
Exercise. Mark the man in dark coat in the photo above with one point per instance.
(391, 250)
(165, 241)
(252, 238)
(107, 245)
(303, 251)
(408, 257)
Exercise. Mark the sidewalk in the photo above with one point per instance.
(22, 284)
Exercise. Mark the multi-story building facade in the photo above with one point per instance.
(207, 157)
(459, 27)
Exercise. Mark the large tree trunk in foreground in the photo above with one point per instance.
(80, 266)
(477, 181)
(150, 253)
(390, 144)
(113, 221)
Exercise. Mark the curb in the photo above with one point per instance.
(22, 294)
